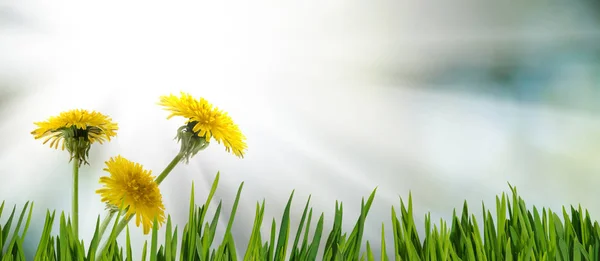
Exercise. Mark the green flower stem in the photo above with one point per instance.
(105, 222)
(75, 201)
(123, 224)
(168, 169)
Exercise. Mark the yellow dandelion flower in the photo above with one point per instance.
(76, 130)
(204, 121)
(133, 186)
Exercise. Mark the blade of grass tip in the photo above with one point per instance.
(314, 245)
(78, 248)
(438, 242)
(213, 189)
(464, 220)
(222, 251)
(94, 243)
(304, 247)
(264, 251)
(589, 230)
(160, 255)
(331, 245)
(509, 255)
(26, 223)
(18, 227)
(397, 234)
(355, 239)
(549, 227)
(233, 211)
(189, 232)
(62, 237)
(364, 211)
(128, 244)
(340, 242)
(52, 250)
(525, 232)
(251, 248)
(501, 221)
(364, 214)
(527, 218)
(210, 231)
(370, 256)
(477, 241)
(428, 249)
(384, 255)
(154, 243)
(455, 235)
(200, 221)
(579, 225)
(540, 233)
(6, 228)
(174, 245)
(272, 240)
(144, 250)
(45, 237)
(490, 236)
(198, 231)
(569, 231)
(408, 222)
(254, 243)
(299, 231)
(168, 239)
(467, 233)
(284, 231)
(81, 250)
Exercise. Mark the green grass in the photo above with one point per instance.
(513, 232)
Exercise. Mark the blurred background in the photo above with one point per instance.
(449, 101)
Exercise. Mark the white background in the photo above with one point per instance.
(334, 98)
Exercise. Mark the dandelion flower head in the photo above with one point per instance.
(76, 130)
(134, 187)
(206, 121)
